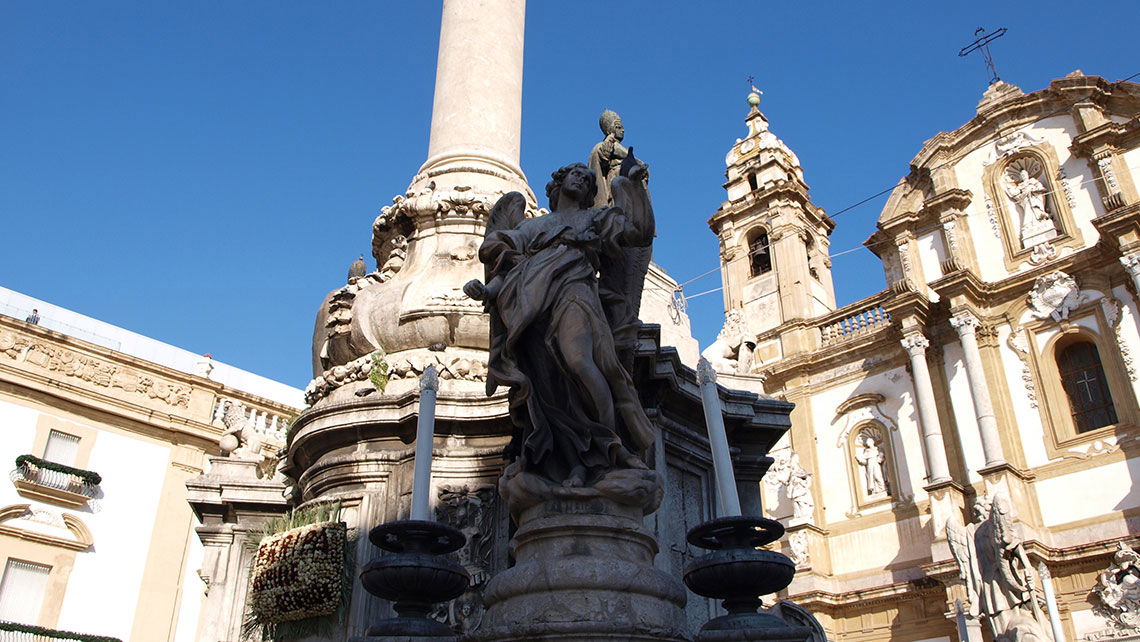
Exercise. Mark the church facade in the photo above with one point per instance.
(996, 369)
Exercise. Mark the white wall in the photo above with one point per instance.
(121, 525)
(1093, 492)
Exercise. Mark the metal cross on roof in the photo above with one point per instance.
(982, 43)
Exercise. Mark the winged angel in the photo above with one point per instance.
(563, 292)
(993, 564)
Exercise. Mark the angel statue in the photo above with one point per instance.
(563, 292)
(993, 564)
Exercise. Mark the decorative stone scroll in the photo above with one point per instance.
(70, 363)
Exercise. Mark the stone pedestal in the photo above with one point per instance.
(584, 571)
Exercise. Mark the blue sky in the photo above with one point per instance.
(204, 172)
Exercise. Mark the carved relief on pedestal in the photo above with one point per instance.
(1054, 295)
(472, 511)
(798, 548)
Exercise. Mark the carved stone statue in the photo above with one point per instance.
(240, 439)
(1028, 194)
(871, 459)
(607, 156)
(786, 471)
(999, 581)
(563, 292)
(731, 353)
(1118, 589)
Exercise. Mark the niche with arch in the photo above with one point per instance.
(1033, 207)
(759, 252)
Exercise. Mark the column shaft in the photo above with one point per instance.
(477, 111)
(936, 467)
(966, 325)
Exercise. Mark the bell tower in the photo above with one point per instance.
(773, 239)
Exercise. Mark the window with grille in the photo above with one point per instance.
(22, 591)
(759, 254)
(1082, 377)
(61, 448)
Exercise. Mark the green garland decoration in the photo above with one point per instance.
(90, 478)
(54, 633)
(378, 375)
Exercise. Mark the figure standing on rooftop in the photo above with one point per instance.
(34, 317)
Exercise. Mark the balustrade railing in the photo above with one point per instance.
(269, 424)
(14, 632)
(48, 475)
(853, 324)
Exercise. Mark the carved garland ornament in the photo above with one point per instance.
(1112, 313)
(95, 371)
(1020, 347)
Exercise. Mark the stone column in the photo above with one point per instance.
(966, 325)
(1131, 263)
(476, 117)
(937, 470)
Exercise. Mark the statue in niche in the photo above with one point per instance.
(607, 157)
(999, 581)
(1030, 197)
(563, 292)
(871, 459)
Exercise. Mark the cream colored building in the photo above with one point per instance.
(1000, 359)
(120, 557)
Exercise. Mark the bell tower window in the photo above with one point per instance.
(1082, 377)
(759, 253)
(752, 181)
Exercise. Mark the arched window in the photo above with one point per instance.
(759, 253)
(751, 181)
(1082, 377)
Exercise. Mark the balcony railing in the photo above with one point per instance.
(13, 632)
(851, 322)
(51, 482)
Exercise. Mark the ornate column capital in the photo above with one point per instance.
(1131, 263)
(429, 380)
(965, 323)
(915, 343)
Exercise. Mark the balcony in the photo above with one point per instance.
(47, 481)
(13, 632)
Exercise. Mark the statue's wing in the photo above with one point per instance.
(506, 214)
(962, 547)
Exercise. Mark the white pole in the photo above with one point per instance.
(1051, 602)
(727, 500)
(425, 434)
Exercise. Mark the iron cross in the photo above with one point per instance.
(982, 42)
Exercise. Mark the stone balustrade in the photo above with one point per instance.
(271, 425)
(15, 632)
(853, 321)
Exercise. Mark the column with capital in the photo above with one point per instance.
(966, 325)
(915, 345)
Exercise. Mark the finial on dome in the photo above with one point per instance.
(754, 95)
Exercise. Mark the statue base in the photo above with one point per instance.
(584, 571)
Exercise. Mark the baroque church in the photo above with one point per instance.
(997, 367)
(987, 396)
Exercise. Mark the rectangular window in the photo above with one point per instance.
(61, 448)
(22, 591)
